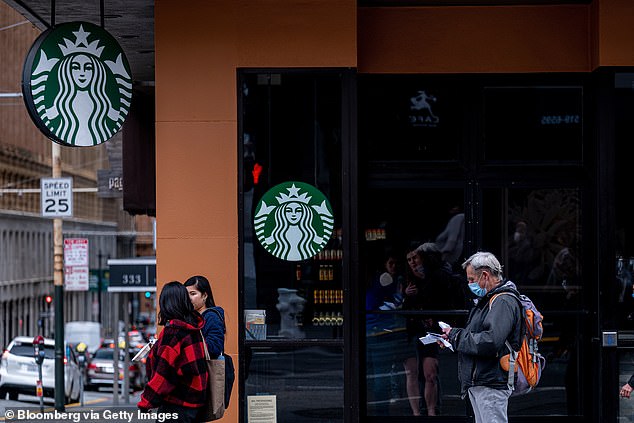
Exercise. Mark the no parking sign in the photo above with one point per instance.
(76, 264)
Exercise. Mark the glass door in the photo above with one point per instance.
(537, 234)
(450, 166)
(621, 297)
(292, 245)
(403, 377)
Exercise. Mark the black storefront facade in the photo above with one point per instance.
(537, 164)
(515, 117)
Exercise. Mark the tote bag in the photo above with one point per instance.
(230, 371)
(215, 407)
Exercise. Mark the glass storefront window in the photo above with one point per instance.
(307, 382)
(410, 119)
(541, 248)
(425, 187)
(624, 260)
(623, 298)
(293, 273)
(292, 246)
(626, 370)
(403, 377)
(530, 124)
(531, 221)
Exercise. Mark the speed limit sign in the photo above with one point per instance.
(57, 197)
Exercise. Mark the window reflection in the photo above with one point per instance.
(291, 129)
(410, 118)
(546, 120)
(624, 150)
(626, 370)
(414, 246)
(543, 251)
(544, 242)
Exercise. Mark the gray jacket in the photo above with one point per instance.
(481, 343)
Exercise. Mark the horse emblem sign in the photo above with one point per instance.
(77, 84)
(293, 221)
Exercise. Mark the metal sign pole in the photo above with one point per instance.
(58, 284)
(126, 349)
(115, 354)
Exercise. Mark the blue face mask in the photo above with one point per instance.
(477, 290)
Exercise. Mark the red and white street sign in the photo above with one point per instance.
(76, 278)
(76, 252)
(76, 274)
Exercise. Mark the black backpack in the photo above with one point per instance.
(230, 371)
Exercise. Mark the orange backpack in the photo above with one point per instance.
(527, 364)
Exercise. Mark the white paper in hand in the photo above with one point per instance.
(431, 338)
(143, 352)
(443, 325)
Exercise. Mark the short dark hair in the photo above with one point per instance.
(202, 284)
(174, 303)
(431, 256)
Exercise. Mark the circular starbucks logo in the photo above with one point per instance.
(77, 85)
(293, 221)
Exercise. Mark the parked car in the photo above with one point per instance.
(19, 371)
(99, 372)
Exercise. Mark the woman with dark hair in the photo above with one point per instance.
(202, 299)
(176, 366)
(429, 286)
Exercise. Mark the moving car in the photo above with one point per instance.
(19, 372)
(135, 338)
(83, 331)
(99, 372)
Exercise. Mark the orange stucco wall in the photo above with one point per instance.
(200, 44)
(615, 32)
(474, 39)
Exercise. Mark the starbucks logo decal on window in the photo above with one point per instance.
(77, 84)
(293, 221)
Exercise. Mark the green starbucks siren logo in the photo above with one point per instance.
(293, 221)
(77, 84)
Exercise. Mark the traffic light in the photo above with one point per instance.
(48, 299)
(148, 294)
(256, 172)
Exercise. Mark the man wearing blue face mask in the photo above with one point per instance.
(482, 342)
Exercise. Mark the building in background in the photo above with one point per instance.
(26, 244)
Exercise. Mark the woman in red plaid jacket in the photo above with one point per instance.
(176, 366)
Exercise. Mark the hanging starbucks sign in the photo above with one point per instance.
(77, 84)
(293, 221)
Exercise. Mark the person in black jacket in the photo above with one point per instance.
(482, 342)
(202, 298)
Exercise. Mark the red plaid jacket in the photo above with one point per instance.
(176, 368)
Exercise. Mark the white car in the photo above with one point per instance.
(19, 371)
